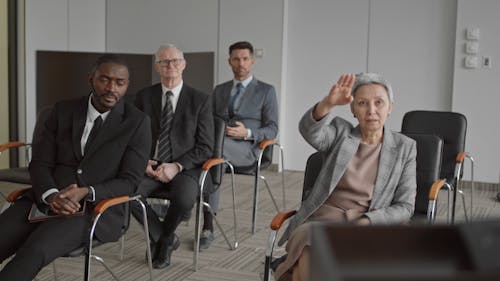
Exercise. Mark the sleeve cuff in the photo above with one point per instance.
(47, 193)
(249, 133)
(91, 196)
(181, 168)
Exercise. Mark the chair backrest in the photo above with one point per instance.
(313, 166)
(429, 154)
(451, 127)
(220, 130)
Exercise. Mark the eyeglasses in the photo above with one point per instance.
(166, 62)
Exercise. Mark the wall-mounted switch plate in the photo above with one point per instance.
(472, 47)
(472, 33)
(471, 62)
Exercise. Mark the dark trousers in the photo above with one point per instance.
(182, 192)
(36, 244)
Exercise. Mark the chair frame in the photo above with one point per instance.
(207, 165)
(454, 183)
(99, 209)
(443, 184)
(262, 146)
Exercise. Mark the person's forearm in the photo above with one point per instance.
(321, 110)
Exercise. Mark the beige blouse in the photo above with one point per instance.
(348, 201)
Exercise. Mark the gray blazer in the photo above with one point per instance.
(257, 109)
(393, 199)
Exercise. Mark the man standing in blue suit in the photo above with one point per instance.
(250, 109)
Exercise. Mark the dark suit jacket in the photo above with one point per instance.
(113, 165)
(192, 135)
(257, 110)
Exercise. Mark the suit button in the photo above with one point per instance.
(79, 171)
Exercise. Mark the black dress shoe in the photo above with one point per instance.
(164, 252)
(206, 239)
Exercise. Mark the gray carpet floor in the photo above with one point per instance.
(219, 262)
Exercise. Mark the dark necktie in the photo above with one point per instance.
(93, 133)
(232, 100)
(164, 146)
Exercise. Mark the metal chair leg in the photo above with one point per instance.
(199, 208)
(462, 194)
(122, 246)
(146, 236)
(256, 186)
(100, 260)
(270, 193)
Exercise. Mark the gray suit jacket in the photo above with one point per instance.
(393, 197)
(257, 109)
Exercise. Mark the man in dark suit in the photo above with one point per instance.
(73, 162)
(183, 138)
(250, 109)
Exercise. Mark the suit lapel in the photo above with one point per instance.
(79, 119)
(109, 127)
(226, 95)
(385, 165)
(156, 102)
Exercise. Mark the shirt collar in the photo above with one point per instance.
(92, 113)
(244, 82)
(175, 90)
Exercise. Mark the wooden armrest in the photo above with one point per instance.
(280, 218)
(106, 203)
(265, 143)
(211, 162)
(435, 188)
(16, 194)
(461, 156)
(7, 145)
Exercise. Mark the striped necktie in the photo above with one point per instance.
(164, 146)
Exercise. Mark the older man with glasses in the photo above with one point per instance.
(183, 137)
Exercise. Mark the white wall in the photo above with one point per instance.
(61, 25)
(406, 41)
(142, 26)
(325, 39)
(195, 26)
(307, 45)
(475, 91)
(411, 44)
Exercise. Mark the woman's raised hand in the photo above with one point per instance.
(340, 94)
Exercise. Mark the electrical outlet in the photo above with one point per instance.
(486, 63)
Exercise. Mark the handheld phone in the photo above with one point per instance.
(232, 123)
(158, 163)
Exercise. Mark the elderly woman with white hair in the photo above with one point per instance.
(369, 172)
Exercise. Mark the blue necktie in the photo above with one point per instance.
(232, 100)
(164, 146)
